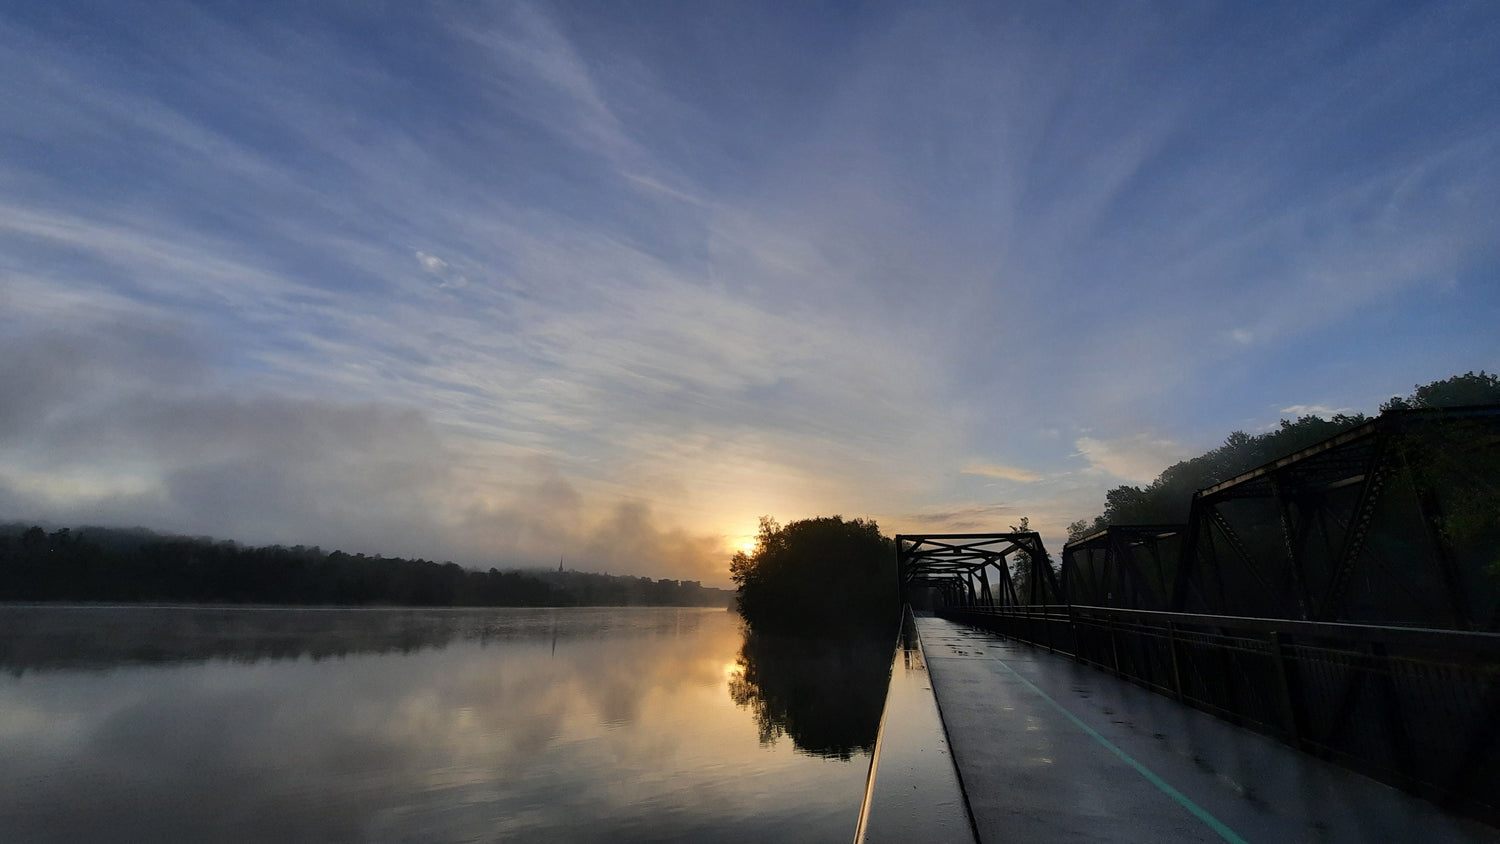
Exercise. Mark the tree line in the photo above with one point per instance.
(102, 564)
(1167, 499)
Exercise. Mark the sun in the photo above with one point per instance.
(744, 543)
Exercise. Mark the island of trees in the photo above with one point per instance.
(103, 564)
(820, 602)
(818, 575)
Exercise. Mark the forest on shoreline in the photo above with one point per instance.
(135, 565)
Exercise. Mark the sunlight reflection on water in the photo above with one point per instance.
(389, 725)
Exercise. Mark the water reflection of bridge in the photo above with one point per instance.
(1336, 609)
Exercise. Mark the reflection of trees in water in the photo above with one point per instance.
(43, 637)
(826, 693)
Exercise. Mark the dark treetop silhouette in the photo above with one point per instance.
(1167, 499)
(817, 576)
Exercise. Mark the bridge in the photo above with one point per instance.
(1313, 655)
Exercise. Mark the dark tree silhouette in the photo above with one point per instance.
(1023, 566)
(97, 564)
(1458, 391)
(822, 574)
(1168, 498)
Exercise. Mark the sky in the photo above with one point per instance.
(510, 283)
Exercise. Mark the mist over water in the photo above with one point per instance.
(192, 724)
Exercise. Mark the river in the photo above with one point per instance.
(609, 724)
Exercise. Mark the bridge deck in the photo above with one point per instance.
(1049, 750)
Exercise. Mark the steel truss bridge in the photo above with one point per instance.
(1344, 598)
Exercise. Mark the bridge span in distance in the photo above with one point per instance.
(1314, 655)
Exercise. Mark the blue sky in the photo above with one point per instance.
(503, 282)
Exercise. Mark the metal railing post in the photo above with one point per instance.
(1289, 709)
(1177, 691)
(1114, 648)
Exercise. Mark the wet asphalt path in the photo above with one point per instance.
(1049, 750)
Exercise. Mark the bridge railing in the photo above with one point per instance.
(1417, 708)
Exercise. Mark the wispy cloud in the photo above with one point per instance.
(1138, 458)
(537, 73)
(660, 272)
(1323, 410)
(974, 517)
(996, 470)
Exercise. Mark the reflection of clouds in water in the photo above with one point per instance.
(628, 720)
(42, 637)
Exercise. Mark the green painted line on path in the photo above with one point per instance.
(1166, 788)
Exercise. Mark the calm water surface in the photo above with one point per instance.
(190, 724)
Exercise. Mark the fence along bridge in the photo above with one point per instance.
(1343, 601)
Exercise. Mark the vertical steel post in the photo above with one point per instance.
(1292, 722)
(1114, 649)
(1177, 691)
(1293, 536)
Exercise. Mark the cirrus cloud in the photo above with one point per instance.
(997, 470)
(1137, 458)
